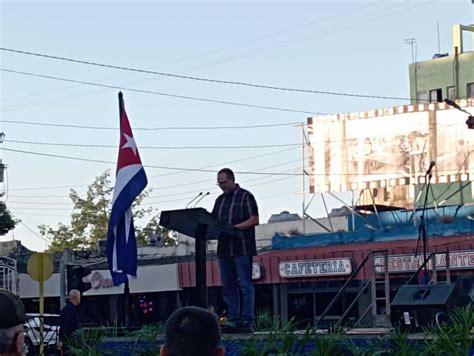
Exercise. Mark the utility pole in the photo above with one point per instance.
(65, 260)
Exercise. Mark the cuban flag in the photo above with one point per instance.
(129, 183)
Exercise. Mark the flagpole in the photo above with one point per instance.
(126, 289)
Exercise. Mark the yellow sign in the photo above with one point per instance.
(40, 267)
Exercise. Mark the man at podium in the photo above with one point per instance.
(237, 207)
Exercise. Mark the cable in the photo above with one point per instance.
(153, 128)
(216, 147)
(109, 162)
(187, 169)
(214, 63)
(161, 195)
(153, 176)
(159, 93)
(216, 50)
(304, 38)
(229, 162)
(246, 84)
(153, 147)
(34, 232)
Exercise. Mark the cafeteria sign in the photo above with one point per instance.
(315, 268)
(410, 263)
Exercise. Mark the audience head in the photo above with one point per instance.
(12, 318)
(192, 331)
(74, 296)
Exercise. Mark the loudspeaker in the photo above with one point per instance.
(417, 306)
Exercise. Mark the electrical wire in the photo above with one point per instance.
(153, 128)
(388, 134)
(286, 43)
(217, 50)
(166, 195)
(146, 166)
(233, 103)
(210, 64)
(190, 169)
(153, 147)
(153, 176)
(179, 76)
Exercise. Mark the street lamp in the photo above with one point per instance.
(470, 118)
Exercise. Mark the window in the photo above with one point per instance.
(422, 97)
(435, 96)
(470, 90)
(451, 93)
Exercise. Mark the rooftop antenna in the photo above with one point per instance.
(439, 45)
(412, 43)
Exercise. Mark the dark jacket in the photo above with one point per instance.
(68, 321)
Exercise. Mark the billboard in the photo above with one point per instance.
(390, 149)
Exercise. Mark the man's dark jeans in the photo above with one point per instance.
(236, 274)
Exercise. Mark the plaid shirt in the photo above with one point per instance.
(234, 208)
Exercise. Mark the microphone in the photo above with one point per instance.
(205, 195)
(193, 199)
(432, 164)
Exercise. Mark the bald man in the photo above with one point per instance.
(68, 319)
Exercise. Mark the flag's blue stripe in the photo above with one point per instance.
(126, 251)
(128, 194)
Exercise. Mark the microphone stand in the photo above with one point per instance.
(197, 196)
(196, 203)
(422, 235)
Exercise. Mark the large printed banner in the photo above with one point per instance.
(410, 263)
(389, 148)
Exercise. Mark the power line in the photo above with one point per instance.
(239, 44)
(231, 162)
(146, 166)
(179, 76)
(193, 169)
(253, 52)
(429, 125)
(161, 94)
(153, 147)
(286, 43)
(164, 195)
(153, 128)
(153, 176)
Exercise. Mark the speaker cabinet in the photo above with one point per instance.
(417, 306)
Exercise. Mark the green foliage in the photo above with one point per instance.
(277, 338)
(263, 320)
(86, 341)
(7, 222)
(280, 338)
(454, 338)
(90, 217)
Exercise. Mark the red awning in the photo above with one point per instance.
(269, 261)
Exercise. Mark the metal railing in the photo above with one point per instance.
(371, 282)
(434, 268)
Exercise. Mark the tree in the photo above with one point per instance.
(7, 221)
(90, 218)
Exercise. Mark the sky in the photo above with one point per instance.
(354, 47)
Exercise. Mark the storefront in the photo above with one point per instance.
(303, 281)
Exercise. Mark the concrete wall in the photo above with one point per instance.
(440, 73)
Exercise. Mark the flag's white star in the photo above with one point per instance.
(130, 144)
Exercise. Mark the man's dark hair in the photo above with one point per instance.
(192, 331)
(228, 172)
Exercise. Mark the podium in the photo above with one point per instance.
(202, 226)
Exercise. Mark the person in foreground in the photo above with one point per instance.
(69, 319)
(192, 331)
(236, 207)
(12, 318)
